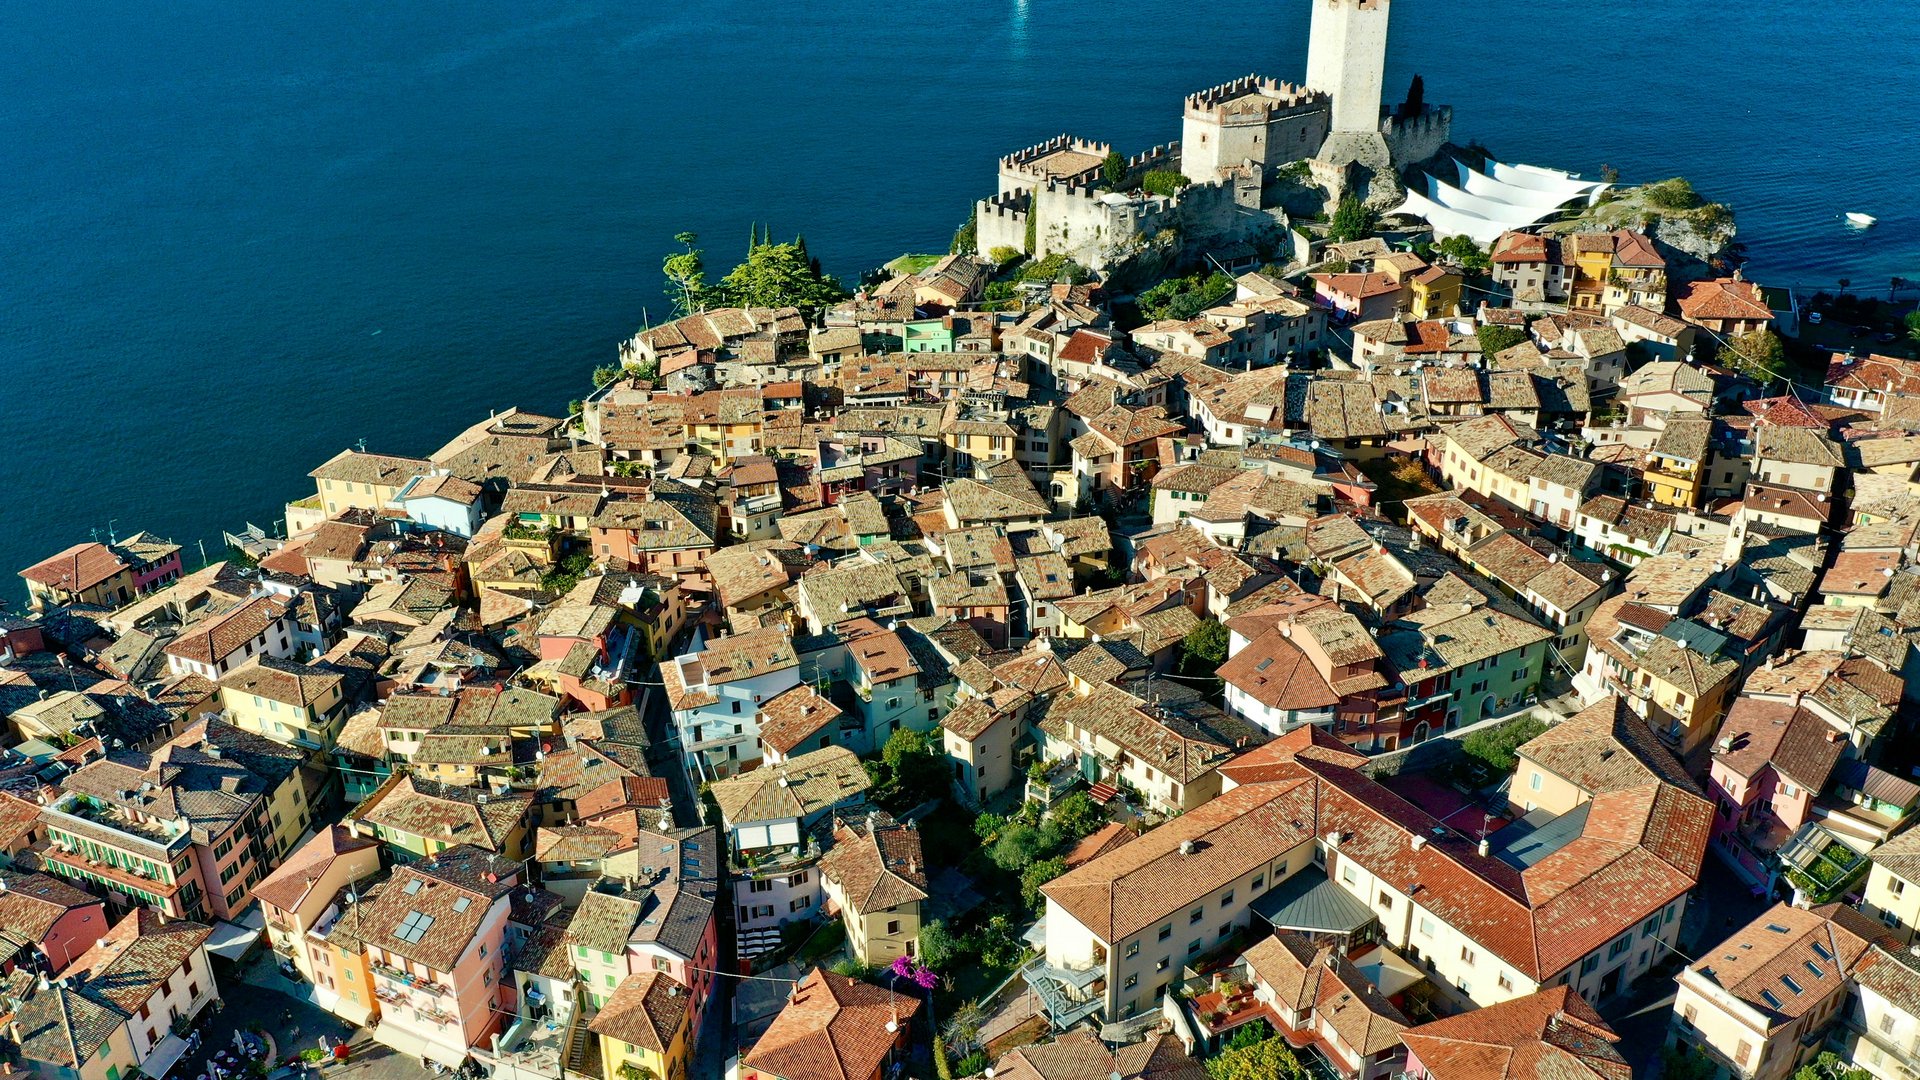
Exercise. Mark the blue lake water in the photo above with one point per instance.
(235, 238)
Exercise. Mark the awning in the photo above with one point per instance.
(416, 1047)
(231, 940)
(166, 1053)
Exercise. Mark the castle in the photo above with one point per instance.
(1248, 149)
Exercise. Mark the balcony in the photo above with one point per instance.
(410, 980)
(1067, 993)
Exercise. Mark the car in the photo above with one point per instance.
(1814, 317)
(1886, 338)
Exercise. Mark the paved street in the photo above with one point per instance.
(295, 1024)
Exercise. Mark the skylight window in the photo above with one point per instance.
(1816, 970)
(414, 927)
(1822, 951)
(1767, 996)
(462, 904)
(413, 886)
(1777, 928)
(1787, 980)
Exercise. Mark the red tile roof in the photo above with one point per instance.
(1550, 1035)
(832, 1028)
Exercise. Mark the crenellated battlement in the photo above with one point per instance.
(1061, 157)
(1251, 98)
(1159, 157)
(1433, 117)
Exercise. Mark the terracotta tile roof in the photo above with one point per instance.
(287, 887)
(876, 862)
(1140, 883)
(790, 717)
(32, 903)
(445, 812)
(1080, 1055)
(1797, 744)
(135, 958)
(1322, 984)
(1751, 964)
(1549, 1035)
(212, 640)
(648, 1009)
(796, 788)
(1357, 286)
(1874, 373)
(1722, 298)
(832, 1028)
(78, 568)
(455, 888)
(354, 467)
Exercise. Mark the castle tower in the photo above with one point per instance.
(1347, 59)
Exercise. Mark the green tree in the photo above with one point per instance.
(911, 770)
(1461, 249)
(1003, 254)
(1038, 874)
(1163, 181)
(1498, 339)
(565, 574)
(604, 374)
(1183, 298)
(1269, 1059)
(1206, 644)
(938, 944)
(1249, 1034)
(1076, 816)
(1113, 169)
(1760, 353)
(1913, 325)
(1019, 847)
(963, 1027)
(1496, 745)
(1831, 1066)
(779, 275)
(1351, 220)
(998, 942)
(988, 826)
(686, 273)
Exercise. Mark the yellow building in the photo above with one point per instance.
(643, 1029)
(876, 876)
(337, 955)
(295, 704)
(1893, 885)
(1433, 293)
(355, 480)
(1677, 464)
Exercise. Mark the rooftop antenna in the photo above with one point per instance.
(361, 446)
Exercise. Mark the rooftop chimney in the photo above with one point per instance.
(1484, 847)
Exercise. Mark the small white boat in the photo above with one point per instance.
(1862, 220)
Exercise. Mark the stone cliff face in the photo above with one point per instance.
(1693, 236)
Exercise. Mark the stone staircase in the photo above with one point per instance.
(582, 1060)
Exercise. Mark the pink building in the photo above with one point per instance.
(435, 937)
(47, 921)
(1772, 760)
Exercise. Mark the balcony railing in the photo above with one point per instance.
(410, 980)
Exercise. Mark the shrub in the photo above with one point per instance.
(1076, 816)
(852, 968)
(1003, 254)
(1498, 339)
(1674, 194)
(1038, 874)
(1163, 182)
(1496, 745)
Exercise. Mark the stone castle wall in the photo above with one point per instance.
(1411, 141)
(1250, 119)
(1001, 222)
